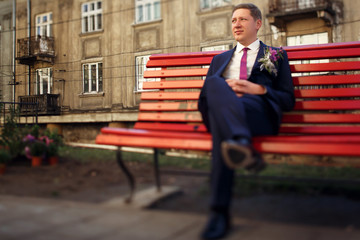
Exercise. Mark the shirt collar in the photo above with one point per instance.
(254, 46)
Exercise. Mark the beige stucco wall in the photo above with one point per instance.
(182, 28)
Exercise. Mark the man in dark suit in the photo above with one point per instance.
(244, 94)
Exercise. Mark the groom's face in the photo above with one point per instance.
(244, 26)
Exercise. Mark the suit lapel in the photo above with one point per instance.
(260, 54)
(227, 57)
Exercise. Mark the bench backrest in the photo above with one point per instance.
(326, 79)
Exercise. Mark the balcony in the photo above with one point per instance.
(282, 11)
(35, 49)
(47, 104)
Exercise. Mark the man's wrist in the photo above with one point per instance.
(263, 90)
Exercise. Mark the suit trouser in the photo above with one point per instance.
(230, 117)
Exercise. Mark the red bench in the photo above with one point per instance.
(325, 121)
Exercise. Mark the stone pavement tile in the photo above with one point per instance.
(252, 230)
(10, 209)
(159, 225)
(44, 218)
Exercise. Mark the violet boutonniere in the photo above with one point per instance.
(271, 59)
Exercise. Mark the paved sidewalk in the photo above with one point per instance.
(44, 219)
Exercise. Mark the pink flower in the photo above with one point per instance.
(27, 152)
(46, 140)
(29, 138)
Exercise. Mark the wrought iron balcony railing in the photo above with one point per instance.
(283, 11)
(47, 104)
(286, 6)
(35, 49)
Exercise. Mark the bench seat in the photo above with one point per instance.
(324, 122)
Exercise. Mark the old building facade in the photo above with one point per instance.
(6, 51)
(83, 59)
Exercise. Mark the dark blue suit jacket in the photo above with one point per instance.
(280, 89)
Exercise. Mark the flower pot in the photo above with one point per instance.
(53, 160)
(36, 161)
(2, 168)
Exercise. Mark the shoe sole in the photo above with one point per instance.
(246, 155)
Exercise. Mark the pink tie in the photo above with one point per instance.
(243, 68)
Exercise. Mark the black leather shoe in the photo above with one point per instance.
(237, 154)
(241, 154)
(217, 227)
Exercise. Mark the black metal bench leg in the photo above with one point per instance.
(128, 175)
(156, 169)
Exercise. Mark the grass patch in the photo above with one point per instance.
(275, 179)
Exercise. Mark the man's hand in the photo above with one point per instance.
(241, 87)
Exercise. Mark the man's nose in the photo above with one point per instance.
(237, 23)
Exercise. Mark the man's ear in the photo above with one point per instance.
(258, 24)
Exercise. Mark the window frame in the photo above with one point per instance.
(147, 11)
(210, 4)
(99, 79)
(39, 81)
(90, 18)
(140, 68)
(41, 26)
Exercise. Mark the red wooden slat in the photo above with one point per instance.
(328, 105)
(168, 106)
(170, 117)
(178, 84)
(184, 55)
(154, 142)
(176, 62)
(308, 139)
(170, 95)
(320, 129)
(181, 127)
(299, 105)
(333, 149)
(330, 93)
(321, 118)
(324, 54)
(154, 133)
(325, 67)
(326, 80)
(191, 72)
(339, 46)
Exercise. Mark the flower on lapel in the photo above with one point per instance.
(271, 58)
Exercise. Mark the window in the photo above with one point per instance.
(216, 48)
(147, 10)
(44, 82)
(140, 67)
(303, 4)
(208, 4)
(92, 78)
(44, 25)
(91, 14)
(316, 38)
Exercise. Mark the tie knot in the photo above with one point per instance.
(245, 49)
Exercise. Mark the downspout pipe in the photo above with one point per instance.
(29, 42)
(14, 49)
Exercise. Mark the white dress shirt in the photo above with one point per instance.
(232, 70)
